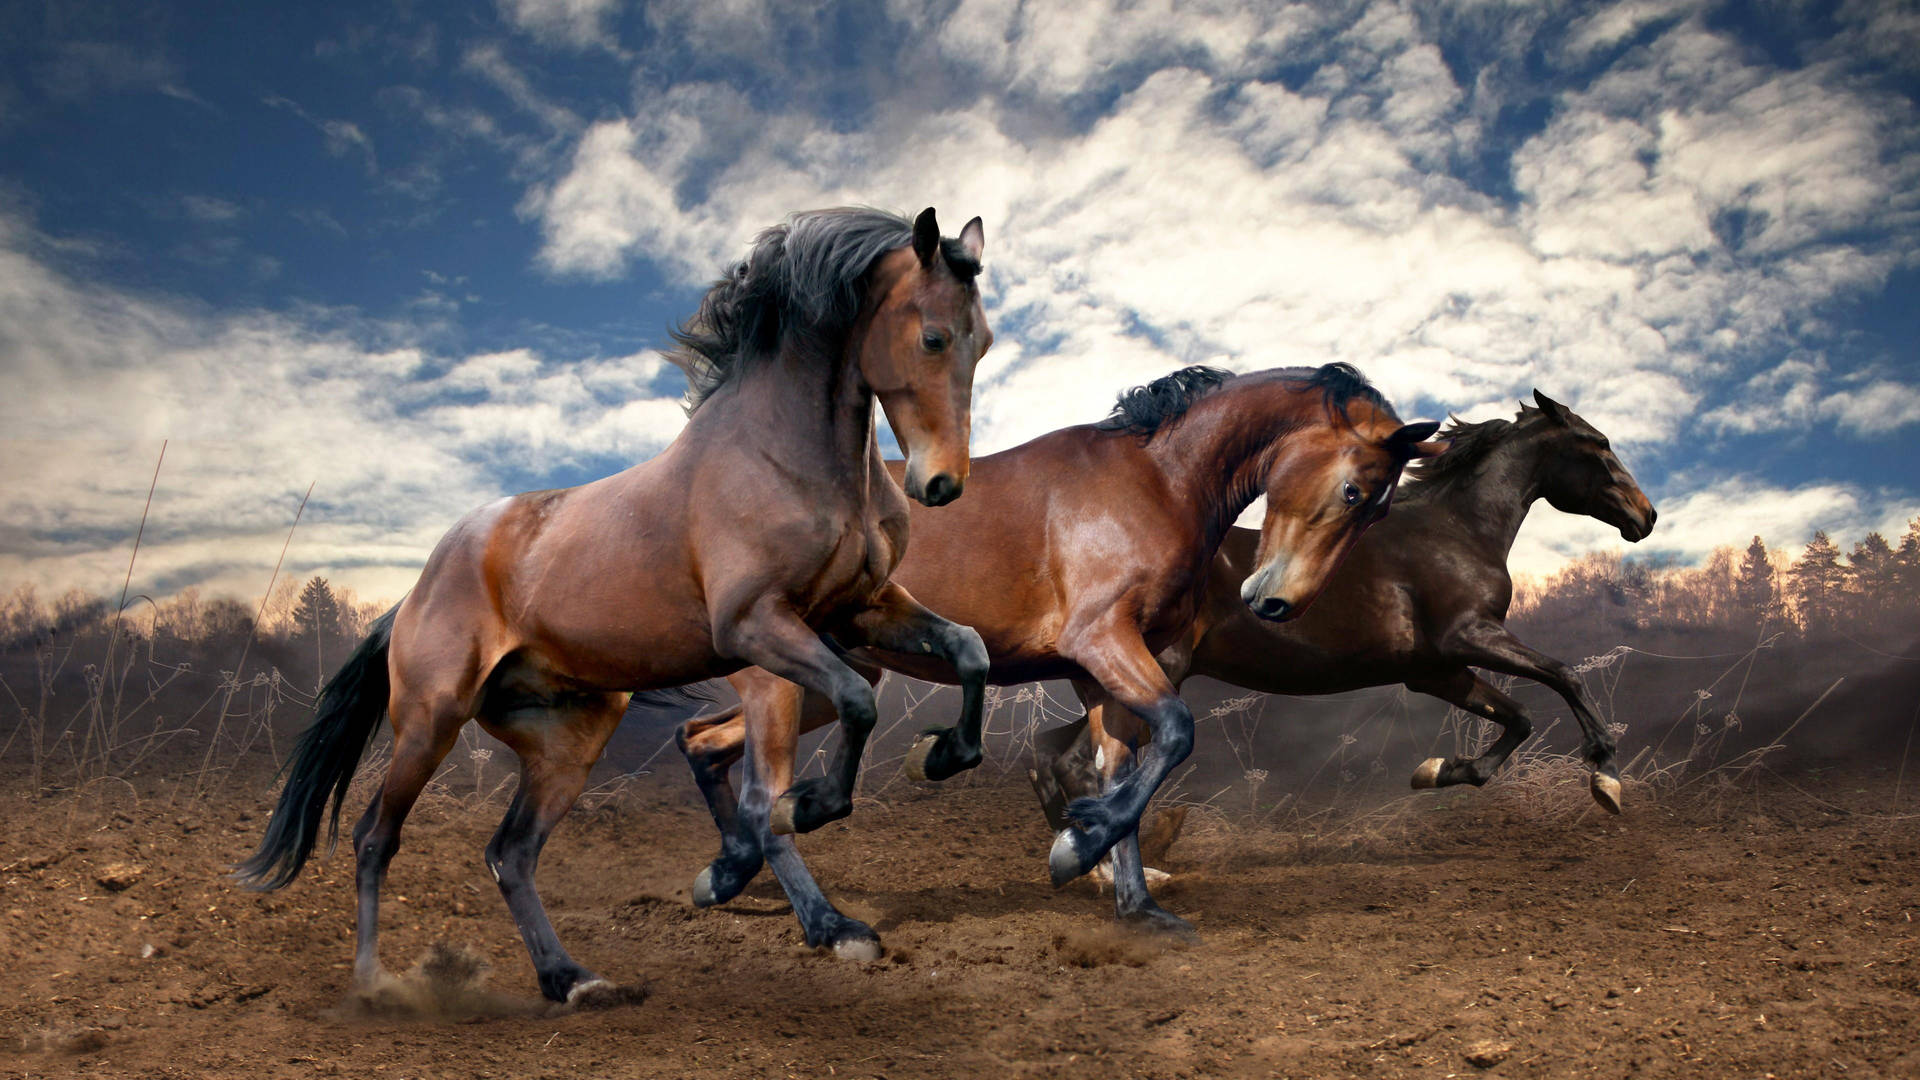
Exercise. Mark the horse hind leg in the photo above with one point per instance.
(422, 736)
(1475, 696)
(712, 744)
(557, 748)
(808, 804)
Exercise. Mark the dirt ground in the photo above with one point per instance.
(1764, 933)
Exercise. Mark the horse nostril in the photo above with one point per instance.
(1652, 516)
(1271, 607)
(941, 490)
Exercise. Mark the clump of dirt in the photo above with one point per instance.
(447, 982)
(64, 1041)
(1100, 944)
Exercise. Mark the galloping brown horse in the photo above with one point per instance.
(1422, 601)
(1085, 555)
(768, 524)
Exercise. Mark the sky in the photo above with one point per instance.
(420, 255)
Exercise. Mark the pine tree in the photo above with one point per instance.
(1908, 562)
(1818, 583)
(1874, 573)
(1753, 586)
(316, 620)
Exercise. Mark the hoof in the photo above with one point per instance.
(1606, 792)
(601, 994)
(860, 950)
(1159, 921)
(1063, 861)
(917, 756)
(1155, 877)
(703, 894)
(780, 818)
(1428, 774)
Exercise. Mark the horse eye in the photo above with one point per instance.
(932, 342)
(1351, 494)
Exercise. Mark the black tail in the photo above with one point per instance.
(324, 761)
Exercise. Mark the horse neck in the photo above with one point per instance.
(1493, 501)
(1221, 451)
(819, 385)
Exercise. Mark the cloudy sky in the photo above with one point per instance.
(418, 255)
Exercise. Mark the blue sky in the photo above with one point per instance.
(422, 254)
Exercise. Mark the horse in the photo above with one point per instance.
(1422, 601)
(1086, 556)
(763, 535)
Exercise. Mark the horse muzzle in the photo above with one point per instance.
(937, 490)
(1253, 593)
(1639, 521)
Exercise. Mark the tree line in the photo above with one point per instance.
(303, 628)
(306, 628)
(1873, 590)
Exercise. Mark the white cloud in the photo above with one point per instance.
(575, 23)
(1678, 218)
(343, 138)
(399, 442)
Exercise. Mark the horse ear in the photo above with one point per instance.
(1411, 441)
(973, 239)
(1549, 406)
(926, 237)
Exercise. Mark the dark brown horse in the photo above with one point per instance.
(1082, 554)
(1422, 601)
(769, 524)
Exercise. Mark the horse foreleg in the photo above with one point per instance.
(895, 622)
(1116, 656)
(1475, 696)
(1491, 646)
(1112, 734)
(557, 749)
(787, 650)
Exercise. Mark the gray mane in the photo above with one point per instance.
(808, 275)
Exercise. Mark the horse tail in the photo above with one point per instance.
(350, 709)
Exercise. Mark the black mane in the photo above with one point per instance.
(1468, 444)
(807, 274)
(1144, 410)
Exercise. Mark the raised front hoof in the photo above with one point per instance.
(805, 807)
(931, 757)
(1157, 921)
(720, 881)
(1606, 792)
(1427, 776)
(1071, 856)
(601, 994)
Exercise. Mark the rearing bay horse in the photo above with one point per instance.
(1082, 554)
(768, 524)
(1422, 601)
